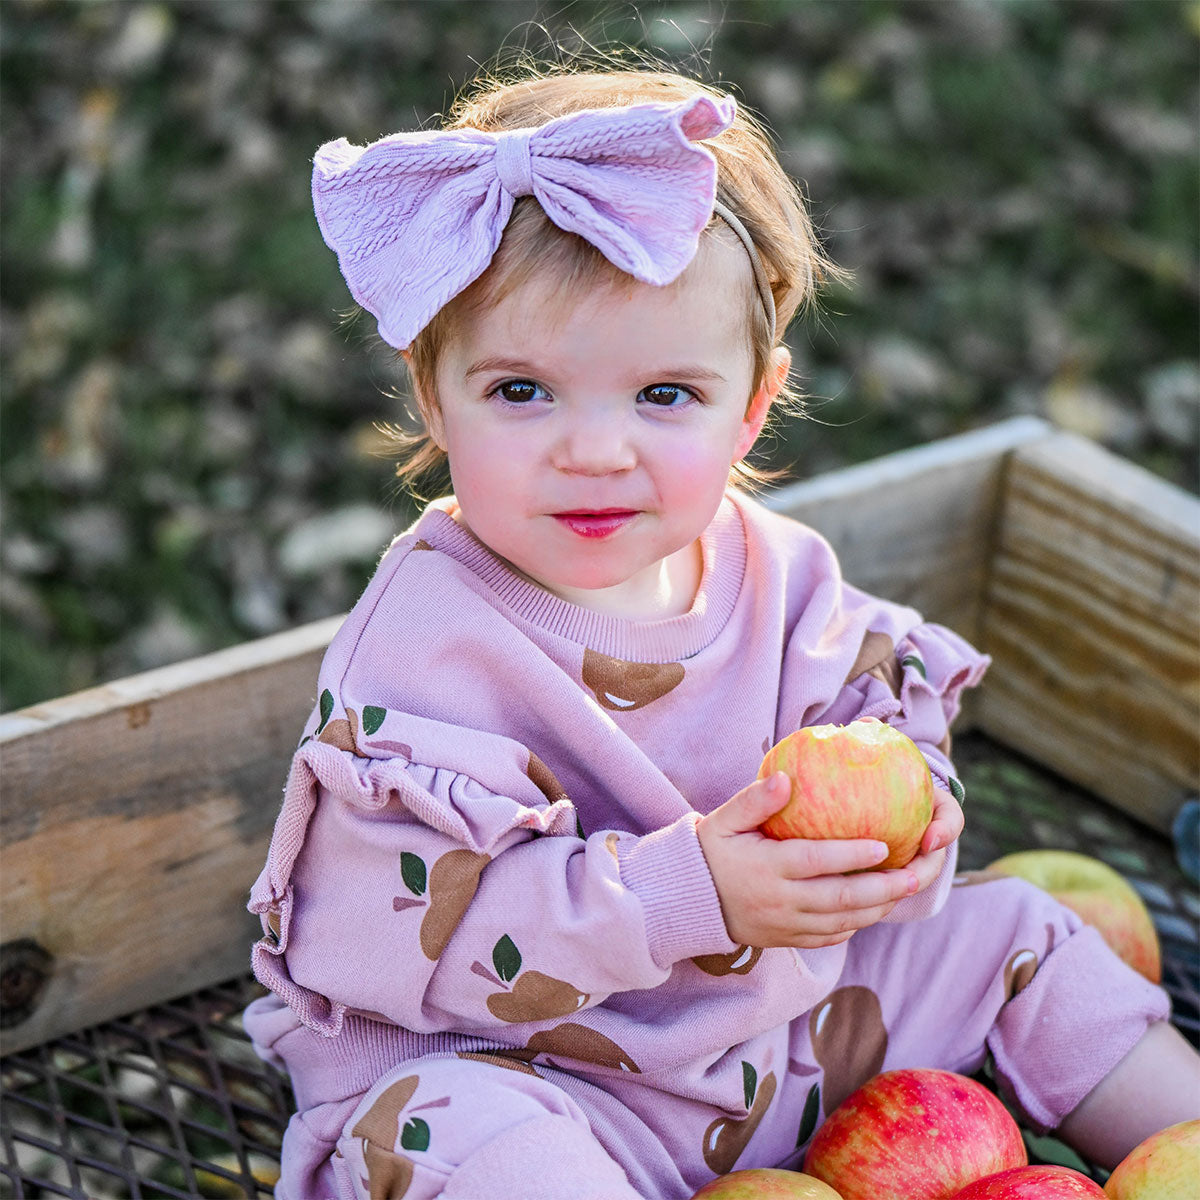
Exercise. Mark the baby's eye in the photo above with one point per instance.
(666, 395)
(519, 391)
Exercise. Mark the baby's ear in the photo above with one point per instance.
(777, 371)
(760, 403)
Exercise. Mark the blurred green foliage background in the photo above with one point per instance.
(189, 447)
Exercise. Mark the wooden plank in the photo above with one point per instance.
(135, 818)
(1093, 619)
(918, 527)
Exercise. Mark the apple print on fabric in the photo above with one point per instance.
(1022, 966)
(623, 686)
(343, 733)
(532, 996)
(388, 1172)
(545, 780)
(509, 1059)
(445, 892)
(578, 1042)
(738, 962)
(726, 1138)
(848, 1040)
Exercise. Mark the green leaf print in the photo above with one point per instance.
(412, 871)
(579, 829)
(373, 717)
(506, 958)
(808, 1120)
(914, 661)
(415, 1135)
(326, 708)
(957, 790)
(749, 1083)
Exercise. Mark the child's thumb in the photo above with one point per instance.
(754, 804)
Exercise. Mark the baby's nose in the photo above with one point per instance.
(595, 447)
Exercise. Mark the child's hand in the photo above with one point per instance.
(945, 825)
(796, 892)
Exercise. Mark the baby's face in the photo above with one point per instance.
(590, 441)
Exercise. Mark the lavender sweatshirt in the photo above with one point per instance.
(488, 836)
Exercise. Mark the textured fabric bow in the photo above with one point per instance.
(415, 218)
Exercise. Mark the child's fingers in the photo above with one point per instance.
(747, 810)
(927, 867)
(946, 825)
(856, 894)
(802, 858)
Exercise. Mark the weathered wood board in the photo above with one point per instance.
(918, 527)
(1092, 616)
(135, 817)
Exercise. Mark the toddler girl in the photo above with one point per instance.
(522, 936)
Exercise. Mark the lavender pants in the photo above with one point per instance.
(1002, 968)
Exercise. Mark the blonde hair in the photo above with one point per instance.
(750, 182)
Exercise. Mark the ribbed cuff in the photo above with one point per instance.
(669, 874)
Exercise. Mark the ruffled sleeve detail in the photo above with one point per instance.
(917, 688)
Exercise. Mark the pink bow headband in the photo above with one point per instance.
(415, 218)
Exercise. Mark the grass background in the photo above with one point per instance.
(188, 445)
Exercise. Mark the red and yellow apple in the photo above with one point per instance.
(914, 1134)
(1033, 1183)
(766, 1183)
(1099, 896)
(862, 780)
(1166, 1166)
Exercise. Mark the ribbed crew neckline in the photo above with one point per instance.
(723, 550)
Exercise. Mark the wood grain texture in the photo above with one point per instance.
(135, 818)
(1092, 617)
(918, 527)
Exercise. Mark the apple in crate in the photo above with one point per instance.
(1166, 1166)
(914, 1134)
(1033, 1183)
(1099, 896)
(862, 780)
(766, 1183)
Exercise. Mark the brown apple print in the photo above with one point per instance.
(389, 1173)
(343, 733)
(570, 1040)
(1021, 968)
(611, 842)
(545, 779)
(511, 1060)
(739, 962)
(725, 1138)
(451, 886)
(848, 1040)
(623, 686)
(534, 996)
(1018, 971)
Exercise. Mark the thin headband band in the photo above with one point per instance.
(760, 272)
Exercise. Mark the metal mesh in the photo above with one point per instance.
(172, 1102)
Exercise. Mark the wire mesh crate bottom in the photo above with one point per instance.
(172, 1101)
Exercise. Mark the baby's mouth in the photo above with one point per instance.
(592, 524)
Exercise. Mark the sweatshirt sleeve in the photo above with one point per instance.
(915, 685)
(417, 893)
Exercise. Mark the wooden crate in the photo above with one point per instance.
(136, 815)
